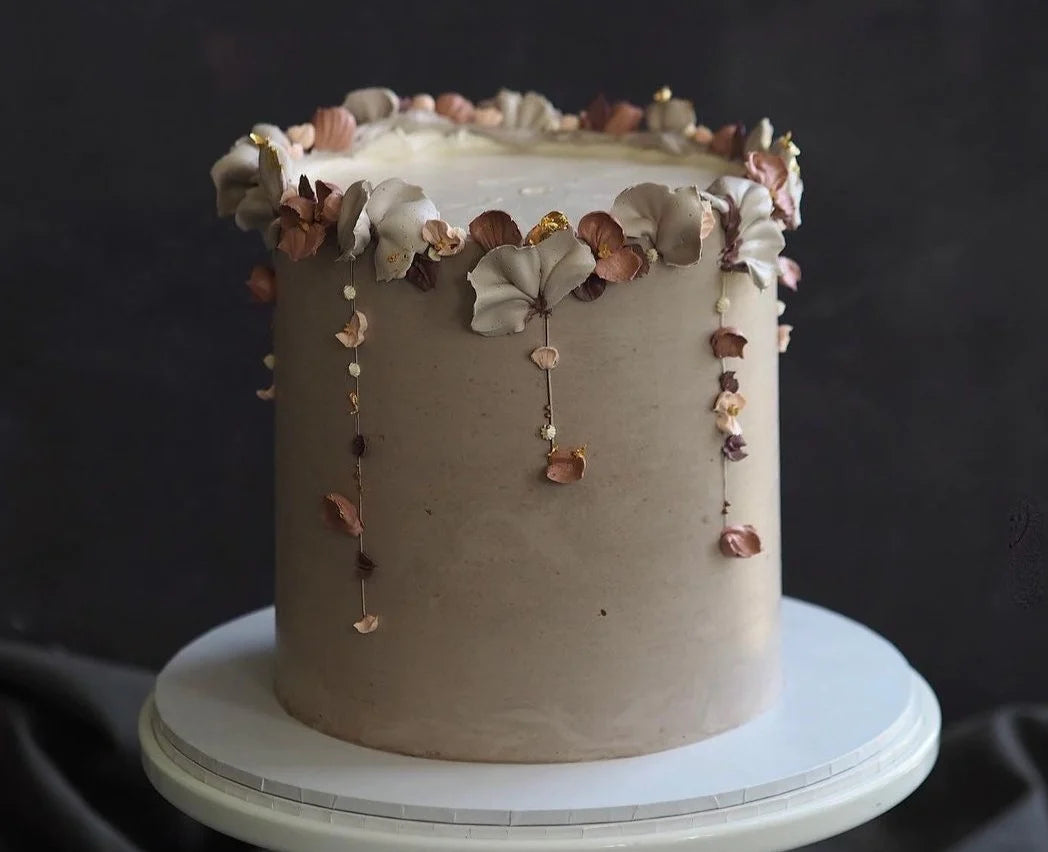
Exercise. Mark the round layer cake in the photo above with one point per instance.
(525, 382)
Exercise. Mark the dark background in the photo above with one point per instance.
(135, 460)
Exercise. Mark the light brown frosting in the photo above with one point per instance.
(523, 620)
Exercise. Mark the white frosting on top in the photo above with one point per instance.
(465, 173)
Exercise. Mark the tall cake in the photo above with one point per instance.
(525, 383)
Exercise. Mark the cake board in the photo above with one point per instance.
(855, 731)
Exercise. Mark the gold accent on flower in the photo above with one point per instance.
(260, 140)
(662, 95)
(548, 225)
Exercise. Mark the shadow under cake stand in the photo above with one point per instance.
(855, 731)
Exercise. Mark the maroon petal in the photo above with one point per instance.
(728, 382)
(422, 273)
(495, 228)
(590, 289)
(733, 448)
(729, 141)
(601, 233)
(596, 115)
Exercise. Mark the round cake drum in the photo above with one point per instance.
(855, 731)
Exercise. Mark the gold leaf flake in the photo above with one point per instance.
(548, 225)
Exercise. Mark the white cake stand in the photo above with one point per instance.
(856, 730)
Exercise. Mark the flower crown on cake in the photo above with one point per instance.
(522, 273)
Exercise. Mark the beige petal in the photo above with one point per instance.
(368, 624)
(372, 104)
(267, 394)
(546, 357)
(303, 134)
(352, 334)
(564, 466)
(341, 514)
(728, 424)
(784, 336)
(709, 219)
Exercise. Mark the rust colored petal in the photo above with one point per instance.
(727, 343)
(301, 241)
(767, 169)
(645, 264)
(422, 273)
(596, 115)
(729, 141)
(334, 128)
(341, 514)
(295, 210)
(359, 447)
(625, 118)
(262, 283)
(602, 233)
(789, 272)
(305, 189)
(367, 624)
(495, 228)
(620, 266)
(728, 382)
(740, 541)
(733, 448)
(352, 334)
(590, 289)
(454, 106)
(329, 202)
(564, 466)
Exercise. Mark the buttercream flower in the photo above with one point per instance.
(372, 104)
(752, 241)
(494, 228)
(333, 129)
(513, 284)
(454, 106)
(727, 407)
(739, 541)
(444, 240)
(397, 211)
(784, 336)
(776, 167)
(615, 261)
(302, 134)
(616, 119)
(669, 221)
(771, 172)
(525, 112)
(670, 115)
(487, 116)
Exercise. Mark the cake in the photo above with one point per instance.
(525, 378)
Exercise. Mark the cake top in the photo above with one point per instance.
(418, 172)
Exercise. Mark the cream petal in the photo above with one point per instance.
(397, 211)
(354, 226)
(759, 139)
(367, 624)
(675, 115)
(254, 212)
(670, 221)
(760, 238)
(372, 104)
(545, 357)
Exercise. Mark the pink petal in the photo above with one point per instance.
(624, 118)
(333, 129)
(454, 106)
(789, 272)
(263, 284)
(352, 335)
(565, 466)
(602, 233)
(740, 541)
(622, 265)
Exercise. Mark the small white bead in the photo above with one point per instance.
(270, 361)
(548, 432)
(349, 291)
(652, 255)
(782, 307)
(722, 305)
(354, 369)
